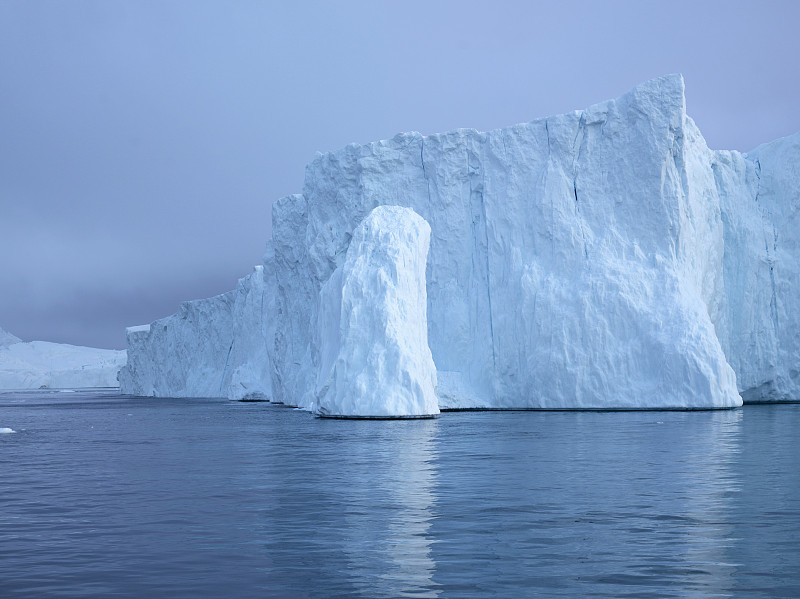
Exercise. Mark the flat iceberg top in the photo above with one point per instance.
(662, 94)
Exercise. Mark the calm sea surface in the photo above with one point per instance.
(102, 495)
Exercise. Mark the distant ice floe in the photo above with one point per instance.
(45, 365)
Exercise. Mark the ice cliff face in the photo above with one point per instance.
(38, 364)
(372, 333)
(604, 258)
(760, 325)
(572, 262)
(215, 347)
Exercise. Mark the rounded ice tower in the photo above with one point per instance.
(374, 359)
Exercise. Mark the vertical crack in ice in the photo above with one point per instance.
(758, 179)
(684, 222)
(576, 154)
(581, 123)
(424, 172)
(482, 205)
(263, 320)
(488, 280)
(773, 302)
(765, 218)
(225, 370)
(544, 189)
(547, 131)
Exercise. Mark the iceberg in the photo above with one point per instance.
(41, 364)
(600, 259)
(759, 326)
(215, 347)
(373, 326)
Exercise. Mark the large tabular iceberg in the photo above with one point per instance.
(37, 364)
(604, 258)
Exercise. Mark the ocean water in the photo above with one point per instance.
(102, 495)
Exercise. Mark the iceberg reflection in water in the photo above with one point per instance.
(110, 496)
(388, 512)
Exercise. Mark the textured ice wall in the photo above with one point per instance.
(603, 258)
(778, 199)
(215, 347)
(372, 333)
(760, 325)
(182, 355)
(37, 364)
(248, 370)
(574, 260)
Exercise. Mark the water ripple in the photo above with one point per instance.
(110, 496)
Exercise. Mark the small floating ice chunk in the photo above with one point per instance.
(7, 431)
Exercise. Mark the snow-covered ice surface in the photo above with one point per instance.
(37, 364)
(373, 326)
(605, 258)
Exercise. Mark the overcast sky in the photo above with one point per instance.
(143, 143)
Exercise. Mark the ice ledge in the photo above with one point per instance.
(142, 328)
